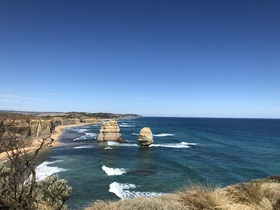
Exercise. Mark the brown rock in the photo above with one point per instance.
(146, 137)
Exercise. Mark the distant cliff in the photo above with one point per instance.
(32, 128)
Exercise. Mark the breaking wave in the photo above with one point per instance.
(122, 190)
(113, 171)
(82, 130)
(44, 170)
(112, 143)
(157, 135)
(84, 147)
(126, 125)
(163, 134)
(86, 136)
(174, 145)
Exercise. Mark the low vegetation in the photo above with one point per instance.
(261, 194)
(49, 115)
(19, 188)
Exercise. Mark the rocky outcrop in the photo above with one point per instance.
(110, 131)
(146, 137)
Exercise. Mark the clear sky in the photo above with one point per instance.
(187, 58)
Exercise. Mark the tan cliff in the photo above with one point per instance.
(31, 132)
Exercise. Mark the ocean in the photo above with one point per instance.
(212, 151)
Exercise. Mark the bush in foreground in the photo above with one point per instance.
(261, 194)
(50, 193)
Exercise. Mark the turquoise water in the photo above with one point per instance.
(204, 150)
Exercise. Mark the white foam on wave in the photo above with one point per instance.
(112, 143)
(108, 148)
(122, 190)
(174, 145)
(113, 171)
(82, 130)
(186, 143)
(84, 147)
(44, 170)
(157, 135)
(163, 134)
(125, 125)
(86, 136)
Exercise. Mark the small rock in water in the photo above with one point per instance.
(146, 137)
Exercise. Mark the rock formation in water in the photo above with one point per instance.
(110, 131)
(146, 137)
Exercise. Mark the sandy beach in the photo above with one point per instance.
(59, 130)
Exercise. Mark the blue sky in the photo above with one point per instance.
(187, 58)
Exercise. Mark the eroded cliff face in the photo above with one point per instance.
(27, 132)
(110, 131)
(31, 132)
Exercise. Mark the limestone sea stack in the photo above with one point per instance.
(110, 131)
(146, 137)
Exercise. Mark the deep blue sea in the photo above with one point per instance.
(197, 150)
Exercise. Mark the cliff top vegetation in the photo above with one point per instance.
(18, 115)
(262, 194)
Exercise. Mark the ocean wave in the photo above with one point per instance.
(122, 190)
(174, 145)
(84, 147)
(125, 125)
(113, 171)
(76, 129)
(108, 148)
(112, 143)
(86, 136)
(163, 134)
(44, 170)
(157, 135)
(82, 130)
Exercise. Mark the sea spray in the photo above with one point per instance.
(181, 145)
(44, 170)
(113, 171)
(122, 190)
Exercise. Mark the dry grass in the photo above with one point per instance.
(257, 195)
(203, 197)
(166, 202)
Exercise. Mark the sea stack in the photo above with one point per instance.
(146, 137)
(110, 131)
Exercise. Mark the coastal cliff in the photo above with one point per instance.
(32, 128)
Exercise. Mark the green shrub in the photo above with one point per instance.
(53, 192)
